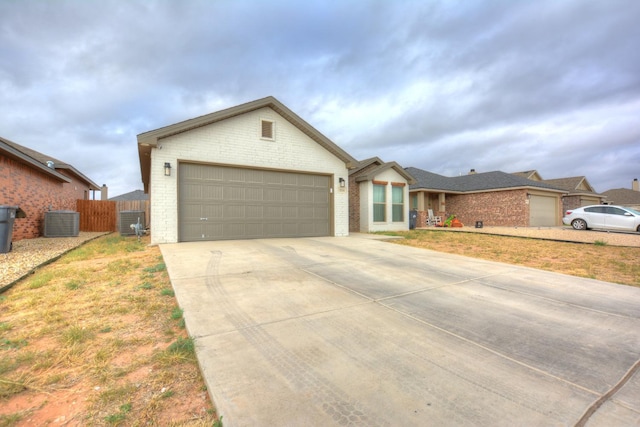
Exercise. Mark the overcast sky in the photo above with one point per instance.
(444, 86)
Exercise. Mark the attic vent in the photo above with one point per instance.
(50, 164)
(61, 224)
(266, 129)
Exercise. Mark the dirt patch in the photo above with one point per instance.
(97, 338)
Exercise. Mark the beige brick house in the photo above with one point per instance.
(256, 170)
(37, 183)
(578, 190)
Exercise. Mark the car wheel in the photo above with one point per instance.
(579, 224)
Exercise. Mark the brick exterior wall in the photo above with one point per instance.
(497, 208)
(354, 198)
(236, 141)
(35, 192)
(570, 202)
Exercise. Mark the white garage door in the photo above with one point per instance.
(542, 211)
(220, 202)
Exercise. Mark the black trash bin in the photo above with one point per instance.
(413, 216)
(7, 216)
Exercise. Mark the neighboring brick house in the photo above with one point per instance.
(251, 171)
(37, 183)
(578, 190)
(378, 196)
(495, 198)
(625, 196)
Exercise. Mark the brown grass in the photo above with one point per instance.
(601, 262)
(91, 340)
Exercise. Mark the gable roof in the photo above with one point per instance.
(148, 140)
(477, 182)
(133, 195)
(572, 184)
(532, 175)
(622, 196)
(380, 167)
(31, 158)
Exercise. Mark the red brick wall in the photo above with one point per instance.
(354, 205)
(354, 199)
(35, 192)
(496, 208)
(570, 202)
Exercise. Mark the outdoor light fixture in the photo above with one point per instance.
(167, 169)
(341, 181)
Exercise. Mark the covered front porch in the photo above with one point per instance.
(422, 201)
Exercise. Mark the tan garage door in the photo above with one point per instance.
(542, 211)
(220, 202)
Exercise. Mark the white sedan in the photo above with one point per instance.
(605, 217)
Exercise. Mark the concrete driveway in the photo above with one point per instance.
(355, 331)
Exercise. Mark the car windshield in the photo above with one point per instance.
(633, 211)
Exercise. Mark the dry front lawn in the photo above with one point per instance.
(97, 339)
(596, 261)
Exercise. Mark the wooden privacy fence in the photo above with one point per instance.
(97, 215)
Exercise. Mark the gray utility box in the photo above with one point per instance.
(130, 217)
(61, 224)
(7, 216)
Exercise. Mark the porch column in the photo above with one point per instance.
(441, 203)
(421, 201)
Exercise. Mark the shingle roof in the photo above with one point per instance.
(379, 168)
(58, 164)
(20, 153)
(572, 184)
(623, 196)
(485, 181)
(134, 195)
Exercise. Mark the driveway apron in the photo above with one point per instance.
(357, 331)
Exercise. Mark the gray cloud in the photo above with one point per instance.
(444, 86)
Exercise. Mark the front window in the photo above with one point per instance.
(397, 199)
(379, 202)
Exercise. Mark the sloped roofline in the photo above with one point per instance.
(42, 159)
(10, 149)
(491, 181)
(148, 140)
(383, 167)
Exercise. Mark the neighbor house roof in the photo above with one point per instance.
(532, 175)
(133, 195)
(574, 184)
(380, 167)
(148, 140)
(622, 196)
(476, 182)
(42, 159)
(26, 156)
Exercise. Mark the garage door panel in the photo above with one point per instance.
(542, 211)
(219, 202)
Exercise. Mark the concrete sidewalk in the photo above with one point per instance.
(355, 331)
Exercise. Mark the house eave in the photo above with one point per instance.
(17, 155)
(149, 140)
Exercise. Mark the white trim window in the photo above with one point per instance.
(397, 203)
(379, 203)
